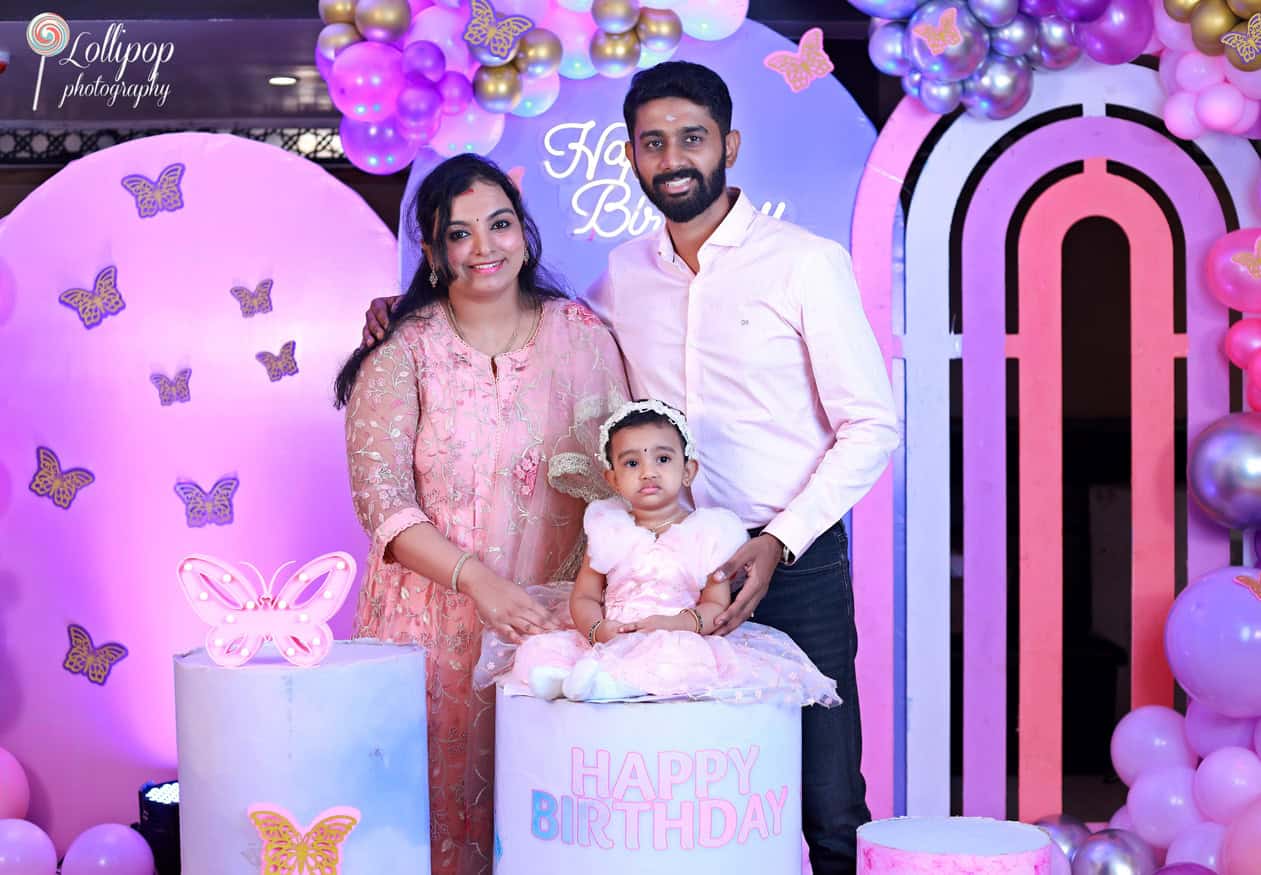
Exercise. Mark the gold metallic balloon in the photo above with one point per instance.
(538, 53)
(1209, 22)
(615, 16)
(1180, 10)
(383, 20)
(615, 54)
(1233, 56)
(337, 11)
(1245, 9)
(335, 37)
(497, 89)
(659, 30)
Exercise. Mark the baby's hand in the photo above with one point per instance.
(610, 629)
(657, 622)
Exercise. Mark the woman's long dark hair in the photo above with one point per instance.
(429, 219)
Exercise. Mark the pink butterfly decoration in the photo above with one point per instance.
(808, 63)
(243, 615)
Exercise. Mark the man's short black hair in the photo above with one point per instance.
(693, 82)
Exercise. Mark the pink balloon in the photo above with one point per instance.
(1149, 738)
(538, 95)
(1219, 107)
(1234, 275)
(1206, 729)
(25, 849)
(1121, 819)
(366, 79)
(1176, 35)
(1227, 782)
(1180, 117)
(1196, 71)
(377, 147)
(15, 790)
(474, 130)
(445, 28)
(1247, 81)
(456, 91)
(423, 61)
(1184, 869)
(574, 30)
(1241, 847)
(711, 19)
(1162, 803)
(1201, 844)
(1251, 112)
(1167, 70)
(108, 848)
(1252, 394)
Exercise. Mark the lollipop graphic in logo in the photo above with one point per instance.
(47, 35)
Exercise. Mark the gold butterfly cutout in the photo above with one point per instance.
(257, 301)
(1252, 584)
(803, 66)
(172, 390)
(154, 197)
(282, 365)
(497, 35)
(60, 486)
(83, 658)
(943, 35)
(288, 850)
(104, 299)
(1246, 47)
(1250, 262)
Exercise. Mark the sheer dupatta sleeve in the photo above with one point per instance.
(598, 388)
(382, 418)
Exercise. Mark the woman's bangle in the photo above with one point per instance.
(455, 572)
(591, 632)
(700, 620)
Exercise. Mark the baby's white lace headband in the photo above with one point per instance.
(660, 407)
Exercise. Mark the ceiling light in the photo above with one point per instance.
(282, 80)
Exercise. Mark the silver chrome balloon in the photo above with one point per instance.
(1055, 48)
(939, 97)
(1000, 89)
(1224, 470)
(1066, 831)
(945, 41)
(887, 49)
(1014, 38)
(994, 13)
(1114, 852)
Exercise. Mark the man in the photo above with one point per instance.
(755, 329)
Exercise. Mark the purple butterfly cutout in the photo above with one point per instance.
(154, 197)
(202, 508)
(51, 481)
(257, 301)
(281, 365)
(94, 663)
(173, 390)
(102, 301)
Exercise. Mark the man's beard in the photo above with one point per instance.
(680, 210)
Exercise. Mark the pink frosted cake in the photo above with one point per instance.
(952, 846)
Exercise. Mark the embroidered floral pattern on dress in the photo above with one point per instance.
(433, 436)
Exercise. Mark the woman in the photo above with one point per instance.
(471, 432)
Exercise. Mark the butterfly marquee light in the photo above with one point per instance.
(448, 76)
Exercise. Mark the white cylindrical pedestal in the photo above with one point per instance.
(629, 788)
(952, 846)
(305, 743)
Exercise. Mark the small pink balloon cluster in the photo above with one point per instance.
(1195, 781)
(1233, 272)
(25, 849)
(1203, 92)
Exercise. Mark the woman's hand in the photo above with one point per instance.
(506, 608)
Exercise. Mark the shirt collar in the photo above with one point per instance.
(731, 231)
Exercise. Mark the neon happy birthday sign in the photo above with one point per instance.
(603, 806)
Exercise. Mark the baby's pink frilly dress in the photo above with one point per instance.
(647, 575)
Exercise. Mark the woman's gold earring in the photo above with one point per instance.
(433, 278)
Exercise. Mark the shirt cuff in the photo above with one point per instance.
(791, 532)
(397, 523)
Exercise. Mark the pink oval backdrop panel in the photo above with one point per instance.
(172, 313)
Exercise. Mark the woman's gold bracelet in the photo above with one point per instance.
(455, 572)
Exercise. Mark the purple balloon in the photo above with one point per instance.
(419, 103)
(108, 848)
(456, 92)
(367, 77)
(1037, 8)
(25, 849)
(1212, 641)
(1120, 34)
(1162, 803)
(323, 64)
(887, 9)
(1200, 844)
(1081, 10)
(946, 63)
(1055, 48)
(1185, 869)
(377, 147)
(1208, 731)
(423, 61)
(887, 49)
(1224, 471)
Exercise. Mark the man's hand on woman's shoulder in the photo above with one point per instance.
(377, 318)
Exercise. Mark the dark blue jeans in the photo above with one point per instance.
(812, 601)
